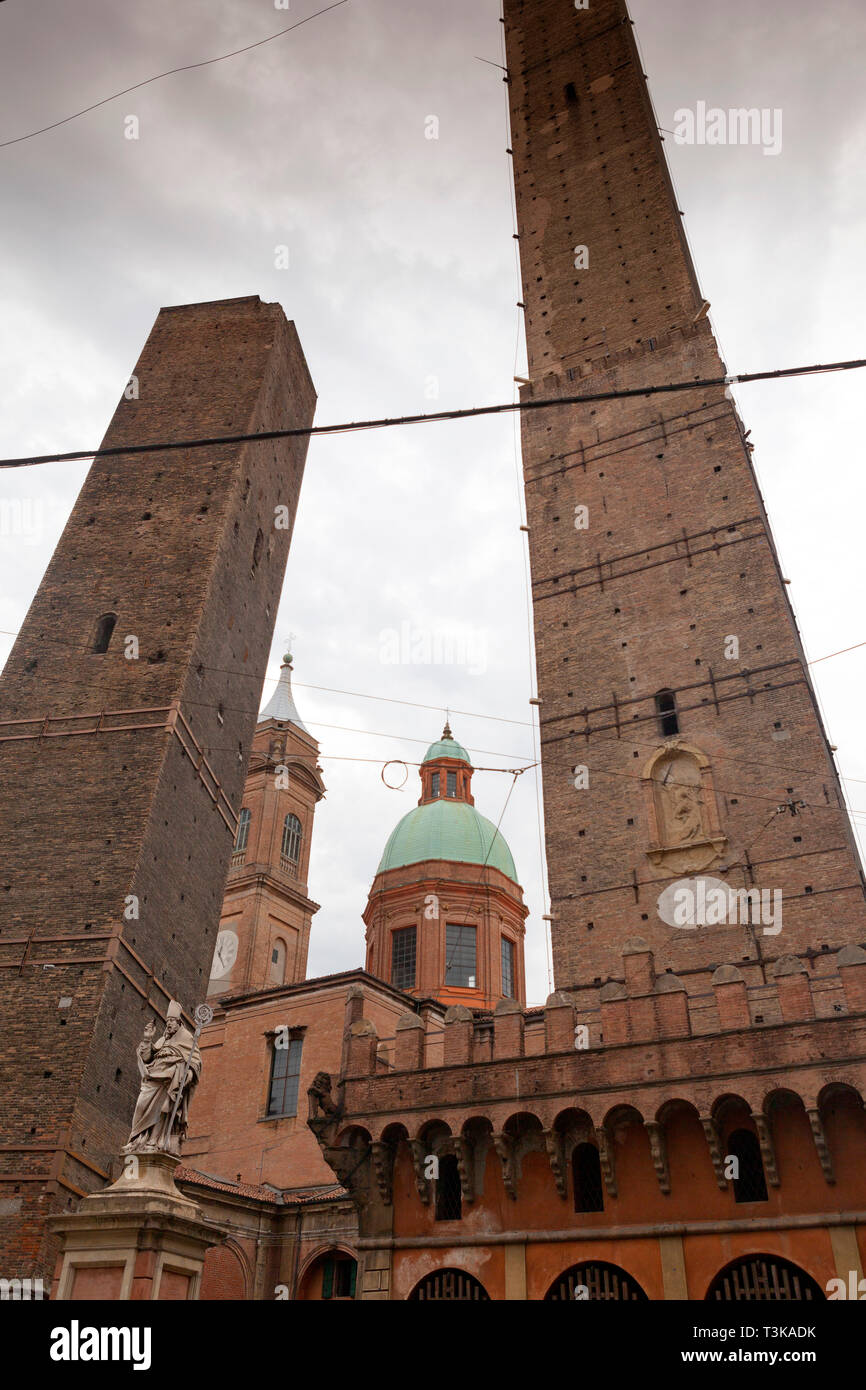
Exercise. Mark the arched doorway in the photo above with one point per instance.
(593, 1282)
(454, 1285)
(764, 1279)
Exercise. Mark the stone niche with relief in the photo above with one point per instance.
(685, 835)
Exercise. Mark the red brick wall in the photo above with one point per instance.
(677, 556)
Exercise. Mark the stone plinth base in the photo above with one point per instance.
(138, 1239)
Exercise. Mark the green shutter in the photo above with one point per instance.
(353, 1279)
(328, 1278)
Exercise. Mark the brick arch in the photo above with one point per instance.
(226, 1276)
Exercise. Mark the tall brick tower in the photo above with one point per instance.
(264, 936)
(127, 712)
(679, 728)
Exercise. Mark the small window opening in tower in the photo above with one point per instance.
(666, 704)
(449, 1197)
(104, 629)
(571, 94)
(451, 784)
(434, 784)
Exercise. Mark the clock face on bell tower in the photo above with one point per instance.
(225, 955)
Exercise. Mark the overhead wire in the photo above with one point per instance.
(170, 72)
(471, 412)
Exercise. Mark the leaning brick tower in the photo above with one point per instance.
(127, 712)
(684, 1119)
(680, 732)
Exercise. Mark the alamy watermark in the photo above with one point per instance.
(707, 902)
(411, 645)
(739, 126)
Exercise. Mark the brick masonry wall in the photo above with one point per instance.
(170, 543)
(676, 557)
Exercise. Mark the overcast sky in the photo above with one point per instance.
(402, 283)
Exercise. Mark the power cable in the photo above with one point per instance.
(473, 412)
(187, 67)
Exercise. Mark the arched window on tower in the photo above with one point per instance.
(666, 704)
(586, 1173)
(240, 846)
(750, 1184)
(290, 850)
(104, 628)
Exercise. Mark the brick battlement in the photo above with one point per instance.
(643, 1008)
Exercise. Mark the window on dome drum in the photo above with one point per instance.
(339, 1276)
(450, 783)
(285, 1075)
(666, 704)
(240, 846)
(586, 1173)
(403, 958)
(290, 851)
(449, 1197)
(750, 1185)
(434, 783)
(507, 968)
(460, 967)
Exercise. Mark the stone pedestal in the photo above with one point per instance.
(140, 1238)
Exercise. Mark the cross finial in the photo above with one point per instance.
(287, 659)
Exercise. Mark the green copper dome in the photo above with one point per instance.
(447, 829)
(446, 747)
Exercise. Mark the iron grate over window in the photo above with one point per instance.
(595, 1282)
(460, 955)
(764, 1279)
(452, 1285)
(403, 945)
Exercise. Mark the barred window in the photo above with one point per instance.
(285, 1075)
(507, 968)
(450, 783)
(291, 848)
(403, 958)
(243, 830)
(460, 968)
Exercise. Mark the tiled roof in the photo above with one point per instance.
(296, 1196)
